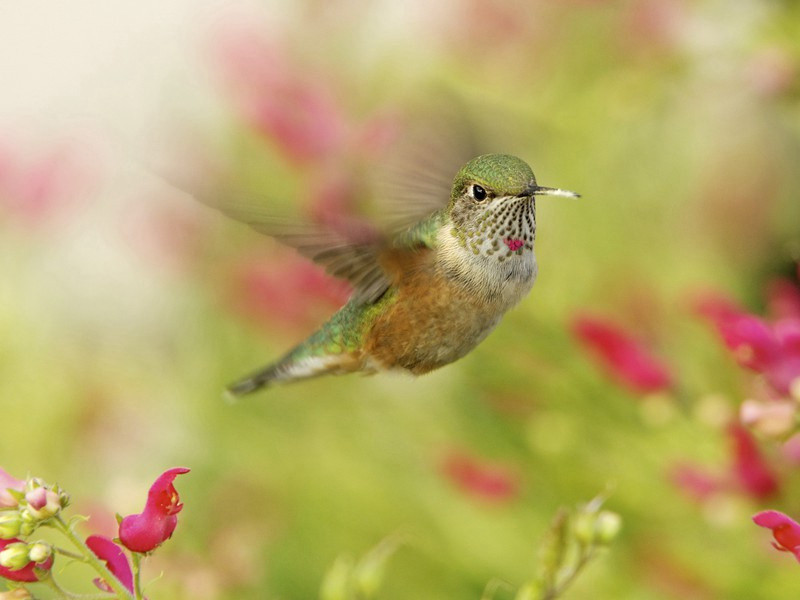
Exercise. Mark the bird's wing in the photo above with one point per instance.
(349, 251)
(415, 180)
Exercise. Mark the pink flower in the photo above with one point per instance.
(289, 103)
(773, 350)
(625, 358)
(750, 469)
(26, 574)
(35, 189)
(786, 531)
(698, 484)
(147, 530)
(491, 482)
(783, 299)
(115, 560)
(7, 482)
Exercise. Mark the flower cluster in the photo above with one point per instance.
(770, 347)
(26, 505)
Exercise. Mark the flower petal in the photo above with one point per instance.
(147, 530)
(7, 482)
(785, 529)
(114, 557)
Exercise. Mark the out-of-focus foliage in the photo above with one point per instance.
(121, 321)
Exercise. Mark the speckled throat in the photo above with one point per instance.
(506, 226)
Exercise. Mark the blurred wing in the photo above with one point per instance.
(417, 177)
(350, 251)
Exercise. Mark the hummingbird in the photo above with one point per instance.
(425, 295)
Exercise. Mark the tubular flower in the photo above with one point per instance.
(7, 482)
(786, 531)
(26, 573)
(115, 560)
(147, 530)
(626, 359)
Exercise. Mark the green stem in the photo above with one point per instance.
(67, 553)
(62, 593)
(556, 590)
(137, 572)
(98, 565)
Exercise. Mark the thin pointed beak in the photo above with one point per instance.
(538, 190)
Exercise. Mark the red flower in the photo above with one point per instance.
(7, 482)
(115, 560)
(26, 574)
(487, 481)
(786, 531)
(147, 530)
(750, 469)
(626, 359)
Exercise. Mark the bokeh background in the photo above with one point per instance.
(126, 305)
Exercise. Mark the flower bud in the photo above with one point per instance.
(10, 524)
(28, 523)
(43, 503)
(584, 527)
(607, 527)
(39, 552)
(15, 556)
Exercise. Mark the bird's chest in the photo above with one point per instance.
(437, 317)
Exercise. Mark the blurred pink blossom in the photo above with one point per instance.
(654, 24)
(749, 472)
(770, 349)
(293, 292)
(790, 451)
(296, 106)
(7, 482)
(168, 235)
(623, 357)
(147, 530)
(785, 530)
(291, 105)
(34, 189)
(783, 299)
(750, 469)
(115, 560)
(771, 71)
(771, 417)
(478, 478)
(26, 574)
(695, 482)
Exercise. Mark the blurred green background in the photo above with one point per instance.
(125, 306)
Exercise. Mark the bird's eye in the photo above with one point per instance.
(478, 192)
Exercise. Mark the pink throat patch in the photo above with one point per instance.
(513, 244)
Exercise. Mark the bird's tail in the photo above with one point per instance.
(299, 364)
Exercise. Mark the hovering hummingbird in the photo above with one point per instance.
(426, 295)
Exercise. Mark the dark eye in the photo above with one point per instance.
(478, 192)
